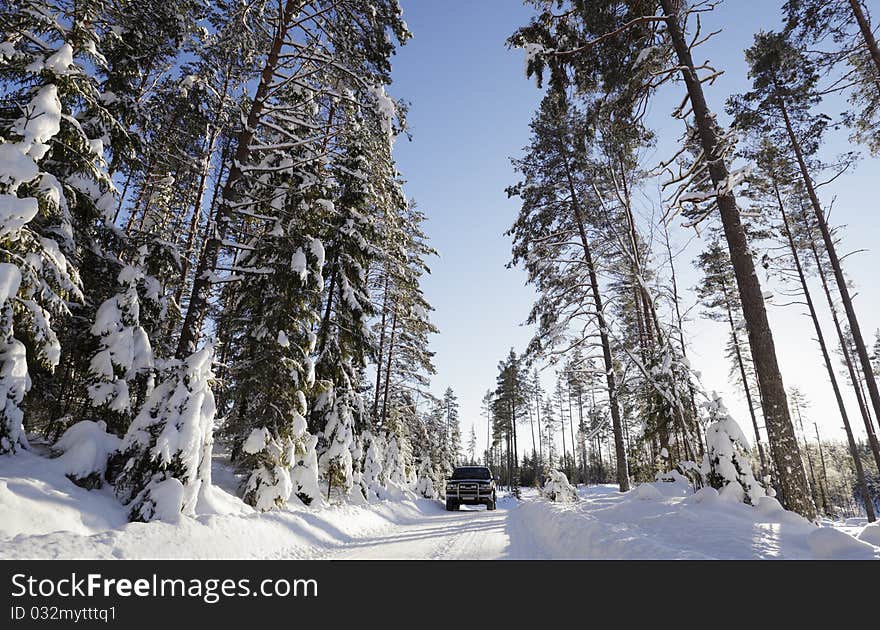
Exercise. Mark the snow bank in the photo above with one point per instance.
(667, 521)
(871, 534)
(86, 447)
(46, 516)
(828, 543)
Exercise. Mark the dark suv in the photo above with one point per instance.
(470, 485)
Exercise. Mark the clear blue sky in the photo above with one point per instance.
(470, 109)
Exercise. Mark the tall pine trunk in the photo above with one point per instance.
(867, 35)
(860, 473)
(831, 251)
(847, 358)
(783, 443)
(611, 381)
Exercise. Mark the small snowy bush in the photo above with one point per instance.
(558, 489)
(86, 447)
(725, 464)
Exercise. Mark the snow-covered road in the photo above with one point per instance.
(472, 533)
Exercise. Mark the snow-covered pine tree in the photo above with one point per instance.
(508, 410)
(57, 195)
(374, 477)
(552, 239)
(167, 449)
(272, 344)
(725, 465)
(124, 353)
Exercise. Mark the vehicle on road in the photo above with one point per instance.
(470, 485)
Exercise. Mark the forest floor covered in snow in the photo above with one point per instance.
(44, 515)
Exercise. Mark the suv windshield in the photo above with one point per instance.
(471, 473)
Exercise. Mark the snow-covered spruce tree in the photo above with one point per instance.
(335, 462)
(360, 493)
(425, 485)
(428, 478)
(374, 477)
(56, 193)
(344, 336)
(725, 465)
(312, 54)
(270, 351)
(167, 449)
(124, 353)
(395, 467)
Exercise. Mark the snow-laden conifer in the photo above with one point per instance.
(167, 448)
(726, 465)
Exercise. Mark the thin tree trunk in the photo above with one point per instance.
(813, 484)
(620, 449)
(746, 388)
(863, 408)
(783, 443)
(534, 452)
(388, 367)
(828, 510)
(571, 431)
(538, 419)
(831, 251)
(196, 215)
(381, 351)
(680, 320)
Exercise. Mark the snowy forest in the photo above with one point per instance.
(208, 258)
(205, 239)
